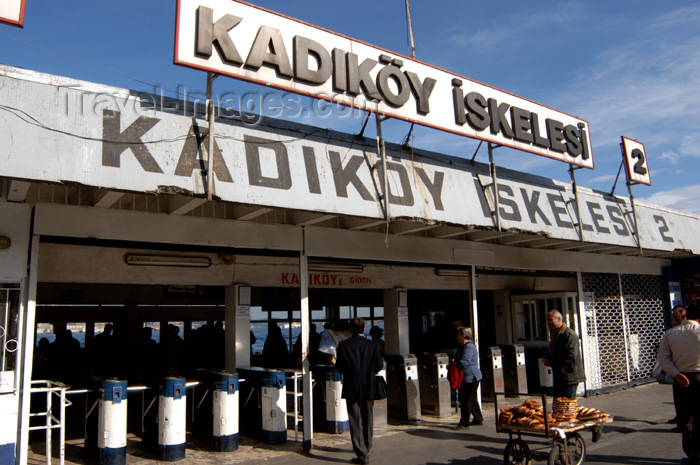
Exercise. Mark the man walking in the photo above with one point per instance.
(679, 356)
(678, 316)
(564, 356)
(359, 360)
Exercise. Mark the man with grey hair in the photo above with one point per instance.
(467, 358)
(564, 356)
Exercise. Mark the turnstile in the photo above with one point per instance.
(514, 369)
(434, 385)
(403, 386)
(492, 370)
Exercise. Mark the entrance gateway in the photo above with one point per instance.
(135, 233)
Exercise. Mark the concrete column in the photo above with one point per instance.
(396, 321)
(305, 369)
(474, 318)
(237, 327)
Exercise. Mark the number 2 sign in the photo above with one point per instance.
(635, 161)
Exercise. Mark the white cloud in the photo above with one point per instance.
(682, 198)
(671, 157)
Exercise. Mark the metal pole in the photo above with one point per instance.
(27, 350)
(583, 322)
(382, 153)
(410, 30)
(624, 326)
(305, 329)
(475, 319)
(578, 209)
(634, 215)
(492, 167)
(211, 117)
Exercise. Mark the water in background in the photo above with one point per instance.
(259, 331)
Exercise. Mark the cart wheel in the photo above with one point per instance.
(559, 456)
(517, 453)
(577, 448)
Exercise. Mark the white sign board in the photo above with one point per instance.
(62, 131)
(247, 42)
(635, 161)
(12, 12)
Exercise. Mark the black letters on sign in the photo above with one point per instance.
(663, 228)
(639, 165)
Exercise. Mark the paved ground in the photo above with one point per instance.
(638, 436)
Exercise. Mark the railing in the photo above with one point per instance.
(294, 379)
(51, 389)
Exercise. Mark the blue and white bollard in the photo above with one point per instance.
(337, 420)
(111, 423)
(225, 409)
(172, 415)
(274, 407)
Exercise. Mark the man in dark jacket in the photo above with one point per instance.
(359, 360)
(564, 356)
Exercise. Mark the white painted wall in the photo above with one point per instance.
(15, 221)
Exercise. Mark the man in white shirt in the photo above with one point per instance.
(679, 356)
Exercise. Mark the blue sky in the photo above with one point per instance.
(627, 67)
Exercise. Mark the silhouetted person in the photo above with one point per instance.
(105, 353)
(144, 356)
(66, 355)
(275, 351)
(375, 332)
(42, 365)
(171, 352)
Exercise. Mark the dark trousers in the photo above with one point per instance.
(468, 403)
(689, 407)
(676, 401)
(361, 416)
(565, 390)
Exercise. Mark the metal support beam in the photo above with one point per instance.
(381, 151)
(254, 214)
(577, 209)
(492, 168)
(186, 205)
(211, 118)
(106, 199)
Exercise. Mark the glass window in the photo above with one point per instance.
(256, 314)
(277, 315)
(363, 312)
(346, 313)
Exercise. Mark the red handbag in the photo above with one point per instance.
(454, 374)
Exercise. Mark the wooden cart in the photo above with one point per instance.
(568, 446)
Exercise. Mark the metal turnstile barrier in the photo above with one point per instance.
(492, 370)
(403, 387)
(514, 369)
(215, 409)
(434, 385)
(380, 406)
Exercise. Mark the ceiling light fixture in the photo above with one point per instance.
(452, 272)
(167, 260)
(330, 267)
